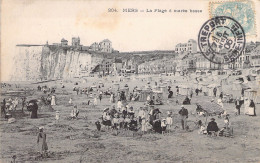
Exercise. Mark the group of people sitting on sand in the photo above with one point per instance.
(143, 119)
(213, 129)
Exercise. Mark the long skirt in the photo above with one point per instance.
(251, 111)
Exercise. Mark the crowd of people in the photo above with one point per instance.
(123, 116)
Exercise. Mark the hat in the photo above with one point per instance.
(182, 106)
(213, 119)
(41, 127)
(163, 119)
(57, 111)
(106, 109)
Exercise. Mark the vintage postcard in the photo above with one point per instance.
(140, 81)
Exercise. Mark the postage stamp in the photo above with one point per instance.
(241, 11)
(221, 39)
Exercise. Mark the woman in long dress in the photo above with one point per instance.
(41, 141)
(53, 100)
(111, 98)
(95, 101)
(246, 105)
(251, 109)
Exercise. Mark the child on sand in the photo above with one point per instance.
(169, 120)
(70, 101)
(144, 125)
(121, 121)
(57, 116)
(41, 138)
(163, 125)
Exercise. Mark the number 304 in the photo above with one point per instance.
(112, 10)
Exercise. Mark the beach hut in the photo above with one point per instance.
(125, 89)
(84, 81)
(116, 86)
(183, 90)
(144, 94)
(94, 87)
(158, 96)
(156, 88)
(127, 79)
(149, 79)
(211, 87)
(252, 95)
(100, 83)
(168, 82)
(236, 89)
(203, 87)
(164, 91)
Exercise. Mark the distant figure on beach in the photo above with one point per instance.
(215, 91)
(251, 109)
(221, 95)
(74, 112)
(220, 103)
(197, 91)
(212, 127)
(95, 101)
(15, 103)
(184, 115)
(238, 106)
(53, 100)
(246, 106)
(23, 102)
(33, 107)
(177, 91)
(100, 97)
(70, 101)
(41, 139)
(191, 93)
(57, 116)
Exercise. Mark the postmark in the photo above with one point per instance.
(240, 10)
(221, 39)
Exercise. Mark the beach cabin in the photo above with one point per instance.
(158, 96)
(252, 95)
(211, 87)
(126, 90)
(144, 94)
(236, 89)
(116, 87)
(94, 87)
(184, 90)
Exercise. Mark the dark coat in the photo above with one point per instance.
(183, 112)
(33, 107)
(212, 126)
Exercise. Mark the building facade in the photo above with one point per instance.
(203, 63)
(190, 47)
(64, 42)
(75, 41)
(94, 47)
(106, 46)
(255, 57)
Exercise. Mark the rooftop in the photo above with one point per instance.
(63, 40)
(106, 40)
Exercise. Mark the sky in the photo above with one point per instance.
(35, 22)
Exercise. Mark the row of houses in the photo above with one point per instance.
(104, 46)
(187, 61)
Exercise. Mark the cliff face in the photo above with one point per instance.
(36, 63)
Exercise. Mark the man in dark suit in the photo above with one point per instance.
(212, 126)
(184, 115)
